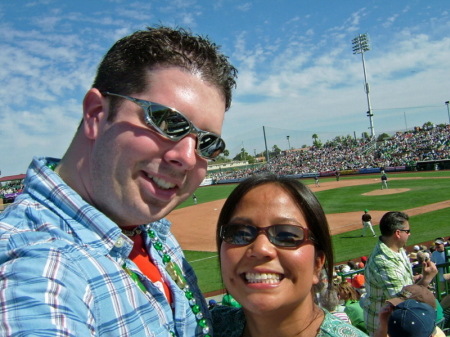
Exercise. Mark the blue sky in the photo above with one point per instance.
(297, 73)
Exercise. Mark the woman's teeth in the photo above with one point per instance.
(262, 278)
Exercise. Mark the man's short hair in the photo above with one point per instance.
(392, 221)
(125, 67)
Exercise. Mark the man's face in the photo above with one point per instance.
(404, 233)
(136, 175)
(439, 247)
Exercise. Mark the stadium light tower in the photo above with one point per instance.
(360, 46)
(448, 111)
(289, 143)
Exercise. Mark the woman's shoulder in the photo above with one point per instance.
(335, 327)
(227, 321)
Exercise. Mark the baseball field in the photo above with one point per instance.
(424, 196)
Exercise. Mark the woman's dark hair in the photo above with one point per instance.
(307, 204)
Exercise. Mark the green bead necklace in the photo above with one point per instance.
(176, 274)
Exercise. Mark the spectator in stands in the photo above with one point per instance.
(352, 265)
(329, 300)
(438, 257)
(421, 258)
(86, 250)
(388, 269)
(352, 306)
(413, 259)
(358, 283)
(364, 259)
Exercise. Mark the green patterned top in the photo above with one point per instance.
(386, 273)
(230, 322)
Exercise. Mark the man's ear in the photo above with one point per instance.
(95, 109)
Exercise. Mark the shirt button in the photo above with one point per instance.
(119, 243)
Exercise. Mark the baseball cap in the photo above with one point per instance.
(364, 259)
(439, 241)
(358, 281)
(366, 210)
(416, 248)
(416, 292)
(412, 318)
(212, 302)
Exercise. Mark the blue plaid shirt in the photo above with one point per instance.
(61, 270)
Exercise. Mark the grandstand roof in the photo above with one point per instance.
(9, 178)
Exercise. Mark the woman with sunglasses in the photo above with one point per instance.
(273, 241)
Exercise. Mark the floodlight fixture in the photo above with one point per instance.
(360, 46)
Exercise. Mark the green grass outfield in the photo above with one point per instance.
(350, 245)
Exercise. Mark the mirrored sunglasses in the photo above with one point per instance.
(174, 126)
(283, 236)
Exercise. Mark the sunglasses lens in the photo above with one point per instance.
(286, 235)
(175, 126)
(238, 234)
(211, 146)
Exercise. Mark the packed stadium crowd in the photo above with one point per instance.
(403, 148)
(10, 188)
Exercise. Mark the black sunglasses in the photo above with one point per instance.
(283, 236)
(407, 231)
(174, 126)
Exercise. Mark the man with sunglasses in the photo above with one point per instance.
(85, 250)
(388, 269)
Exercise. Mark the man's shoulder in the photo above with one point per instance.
(378, 257)
(26, 212)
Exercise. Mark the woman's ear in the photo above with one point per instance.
(320, 261)
(95, 109)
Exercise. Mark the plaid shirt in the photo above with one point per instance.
(61, 270)
(386, 273)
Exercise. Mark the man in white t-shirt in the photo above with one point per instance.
(438, 257)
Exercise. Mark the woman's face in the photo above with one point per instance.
(261, 276)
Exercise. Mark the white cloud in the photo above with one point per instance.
(244, 7)
(389, 21)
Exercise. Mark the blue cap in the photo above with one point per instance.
(412, 319)
(212, 302)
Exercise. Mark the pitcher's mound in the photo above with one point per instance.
(388, 191)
